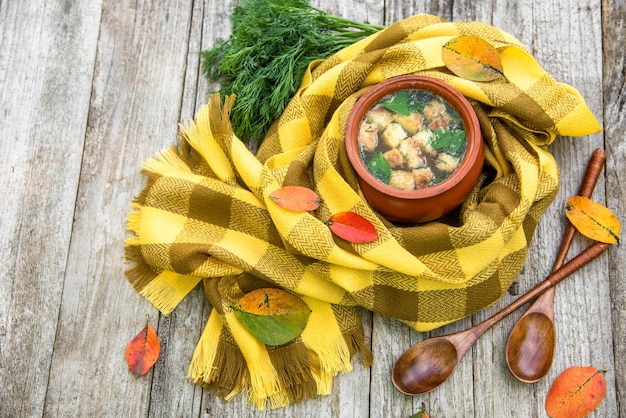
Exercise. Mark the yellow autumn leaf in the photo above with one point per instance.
(472, 58)
(593, 220)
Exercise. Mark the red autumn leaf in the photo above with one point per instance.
(296, 198)
(143, 351)
(352, 227)
(575, 392)
(472, 58)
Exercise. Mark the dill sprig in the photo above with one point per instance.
(264, 59)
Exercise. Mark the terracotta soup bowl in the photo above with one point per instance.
(416, 146)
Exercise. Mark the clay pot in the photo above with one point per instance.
(422, 205)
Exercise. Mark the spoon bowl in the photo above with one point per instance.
(531, 347)
(532, 342)
(426, 367)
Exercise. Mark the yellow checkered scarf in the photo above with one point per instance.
(205, 214)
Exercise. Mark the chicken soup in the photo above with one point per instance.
(411, 140)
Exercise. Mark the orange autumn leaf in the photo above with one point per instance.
(352, 227)
(593, 220)
(472, 58)
(575, 393)
(273, 316)
(143, 351)
(296, 198)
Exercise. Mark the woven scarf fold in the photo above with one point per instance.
(205, 215)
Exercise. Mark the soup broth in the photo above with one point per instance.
(412, 140)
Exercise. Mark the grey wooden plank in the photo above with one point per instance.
(397, 10)
(370, 11)
(614, 48)
(574, 55)
(46, 63)
(389, 339)
(172, 393)
(134, 112)
(534, 25)
(571, 55)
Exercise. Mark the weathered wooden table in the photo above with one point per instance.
(89, 89)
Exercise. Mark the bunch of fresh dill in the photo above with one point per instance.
(263, 60)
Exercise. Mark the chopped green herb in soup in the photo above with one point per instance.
(412, 140)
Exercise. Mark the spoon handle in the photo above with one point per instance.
(555, 277)
(577, 262)
(594, 168)
(545, 301)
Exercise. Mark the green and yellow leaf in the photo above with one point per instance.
(272, 316)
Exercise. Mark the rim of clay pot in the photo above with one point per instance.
(473, 136)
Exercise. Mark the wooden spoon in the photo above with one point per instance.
(426, 365)
(532, 342)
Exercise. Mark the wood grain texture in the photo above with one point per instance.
(133, 112)
(614, 88)
(172, 394)
(88, 90)
(44, 106)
